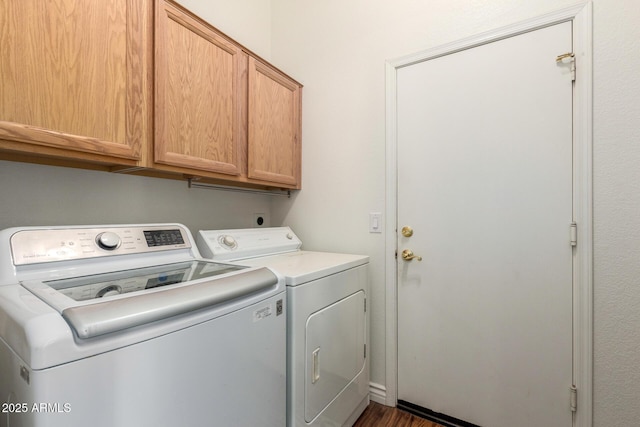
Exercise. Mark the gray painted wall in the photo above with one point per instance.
(47, 195)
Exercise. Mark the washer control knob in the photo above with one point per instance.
(108, 240)
(109, 291)
(289, 236)
(228, 241)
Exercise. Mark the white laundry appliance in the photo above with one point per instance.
(125, 325)
(327, 327)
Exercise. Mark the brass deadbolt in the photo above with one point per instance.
(407, 231)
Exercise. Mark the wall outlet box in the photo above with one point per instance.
(260, 220)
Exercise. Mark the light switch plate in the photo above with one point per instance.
(375, 222)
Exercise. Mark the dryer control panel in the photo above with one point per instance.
(41, 245)
(225, 245)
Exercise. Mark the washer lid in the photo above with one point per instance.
(103, 303)
(61, 293)
(304, 266)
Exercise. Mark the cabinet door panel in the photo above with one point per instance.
(198, 110)
(73, 75)
(274, 126)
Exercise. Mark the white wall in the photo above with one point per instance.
(248, 22)
(338, 50)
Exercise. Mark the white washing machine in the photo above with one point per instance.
(327, 326)
(127, 326)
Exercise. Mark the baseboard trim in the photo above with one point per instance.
(378, 393)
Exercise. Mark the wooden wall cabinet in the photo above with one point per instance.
(74, 79)
(145, 87)
(274, 126)
(199, 108)
(221, 112)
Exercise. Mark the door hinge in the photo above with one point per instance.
(573, 231)
(573, 398)
(568, 58)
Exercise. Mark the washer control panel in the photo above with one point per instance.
(34, 245)
(108, 240)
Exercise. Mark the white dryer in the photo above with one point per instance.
(327, 325)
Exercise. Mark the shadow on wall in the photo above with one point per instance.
(49, 195)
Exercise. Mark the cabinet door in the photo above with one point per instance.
(74, 77)
(199, 87)
(274, 126)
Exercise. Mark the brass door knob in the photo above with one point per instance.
(407, 231)
(408, 255)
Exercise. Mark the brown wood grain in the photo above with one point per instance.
(198, 121)
(377, 415)
(73, 75)
(143, 87)
(274, 125)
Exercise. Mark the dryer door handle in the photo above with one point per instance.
(315, 376)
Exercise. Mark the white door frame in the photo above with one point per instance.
(581, 16)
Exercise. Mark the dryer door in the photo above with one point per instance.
(335, 351)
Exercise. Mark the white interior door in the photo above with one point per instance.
(485, 182)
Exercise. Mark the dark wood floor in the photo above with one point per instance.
(377, 415)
